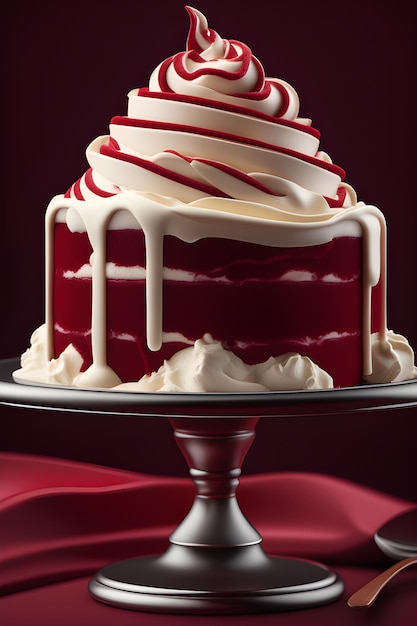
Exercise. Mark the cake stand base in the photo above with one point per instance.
(217, 581)
(215, 563)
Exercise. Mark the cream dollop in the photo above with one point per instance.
(36, 367)
(208, 367)
(392, 359)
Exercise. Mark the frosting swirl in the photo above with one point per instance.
(223, 70)
(211, 124)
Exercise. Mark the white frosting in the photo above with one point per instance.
(184, 113)
(207, 367)
(392, 359)
(36, 367)
(204, 367)
(212, 124)
(222, 70)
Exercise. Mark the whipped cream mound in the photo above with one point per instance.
(35, 366)
(204, 367)
(392, 359)
(208, 367)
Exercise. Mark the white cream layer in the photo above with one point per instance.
(207, 367)
(138, 272)
(203, 367)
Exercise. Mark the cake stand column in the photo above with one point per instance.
(214, 450)
(215, 563)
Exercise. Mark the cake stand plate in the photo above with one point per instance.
(215, 563)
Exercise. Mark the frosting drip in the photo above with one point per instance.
(159, 217)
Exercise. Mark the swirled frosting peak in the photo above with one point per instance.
(212, 125)
(223, 70)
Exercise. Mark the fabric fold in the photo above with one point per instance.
(61, 519)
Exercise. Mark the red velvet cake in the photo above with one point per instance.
(211, 246)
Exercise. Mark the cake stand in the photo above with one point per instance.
(215, 563)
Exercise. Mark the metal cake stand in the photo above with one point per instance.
(215, 563)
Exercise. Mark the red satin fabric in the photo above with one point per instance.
(63, 521)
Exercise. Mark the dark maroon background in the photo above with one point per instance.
(67, 70)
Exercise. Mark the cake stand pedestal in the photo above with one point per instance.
(215, 563)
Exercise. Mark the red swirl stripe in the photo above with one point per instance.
(162, 76)
(127, 121)
(112, 151)
(244, 58)
(144, 92)
(238, 174)
(249, 180)
(75, 189)
(208, 34)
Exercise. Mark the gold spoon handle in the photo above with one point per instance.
(366, 596)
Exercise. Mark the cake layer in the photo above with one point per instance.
(259, 301)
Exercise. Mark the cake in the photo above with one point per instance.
(212, 246)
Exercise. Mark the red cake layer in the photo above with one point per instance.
(242, 294)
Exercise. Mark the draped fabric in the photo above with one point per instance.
(61, 521)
